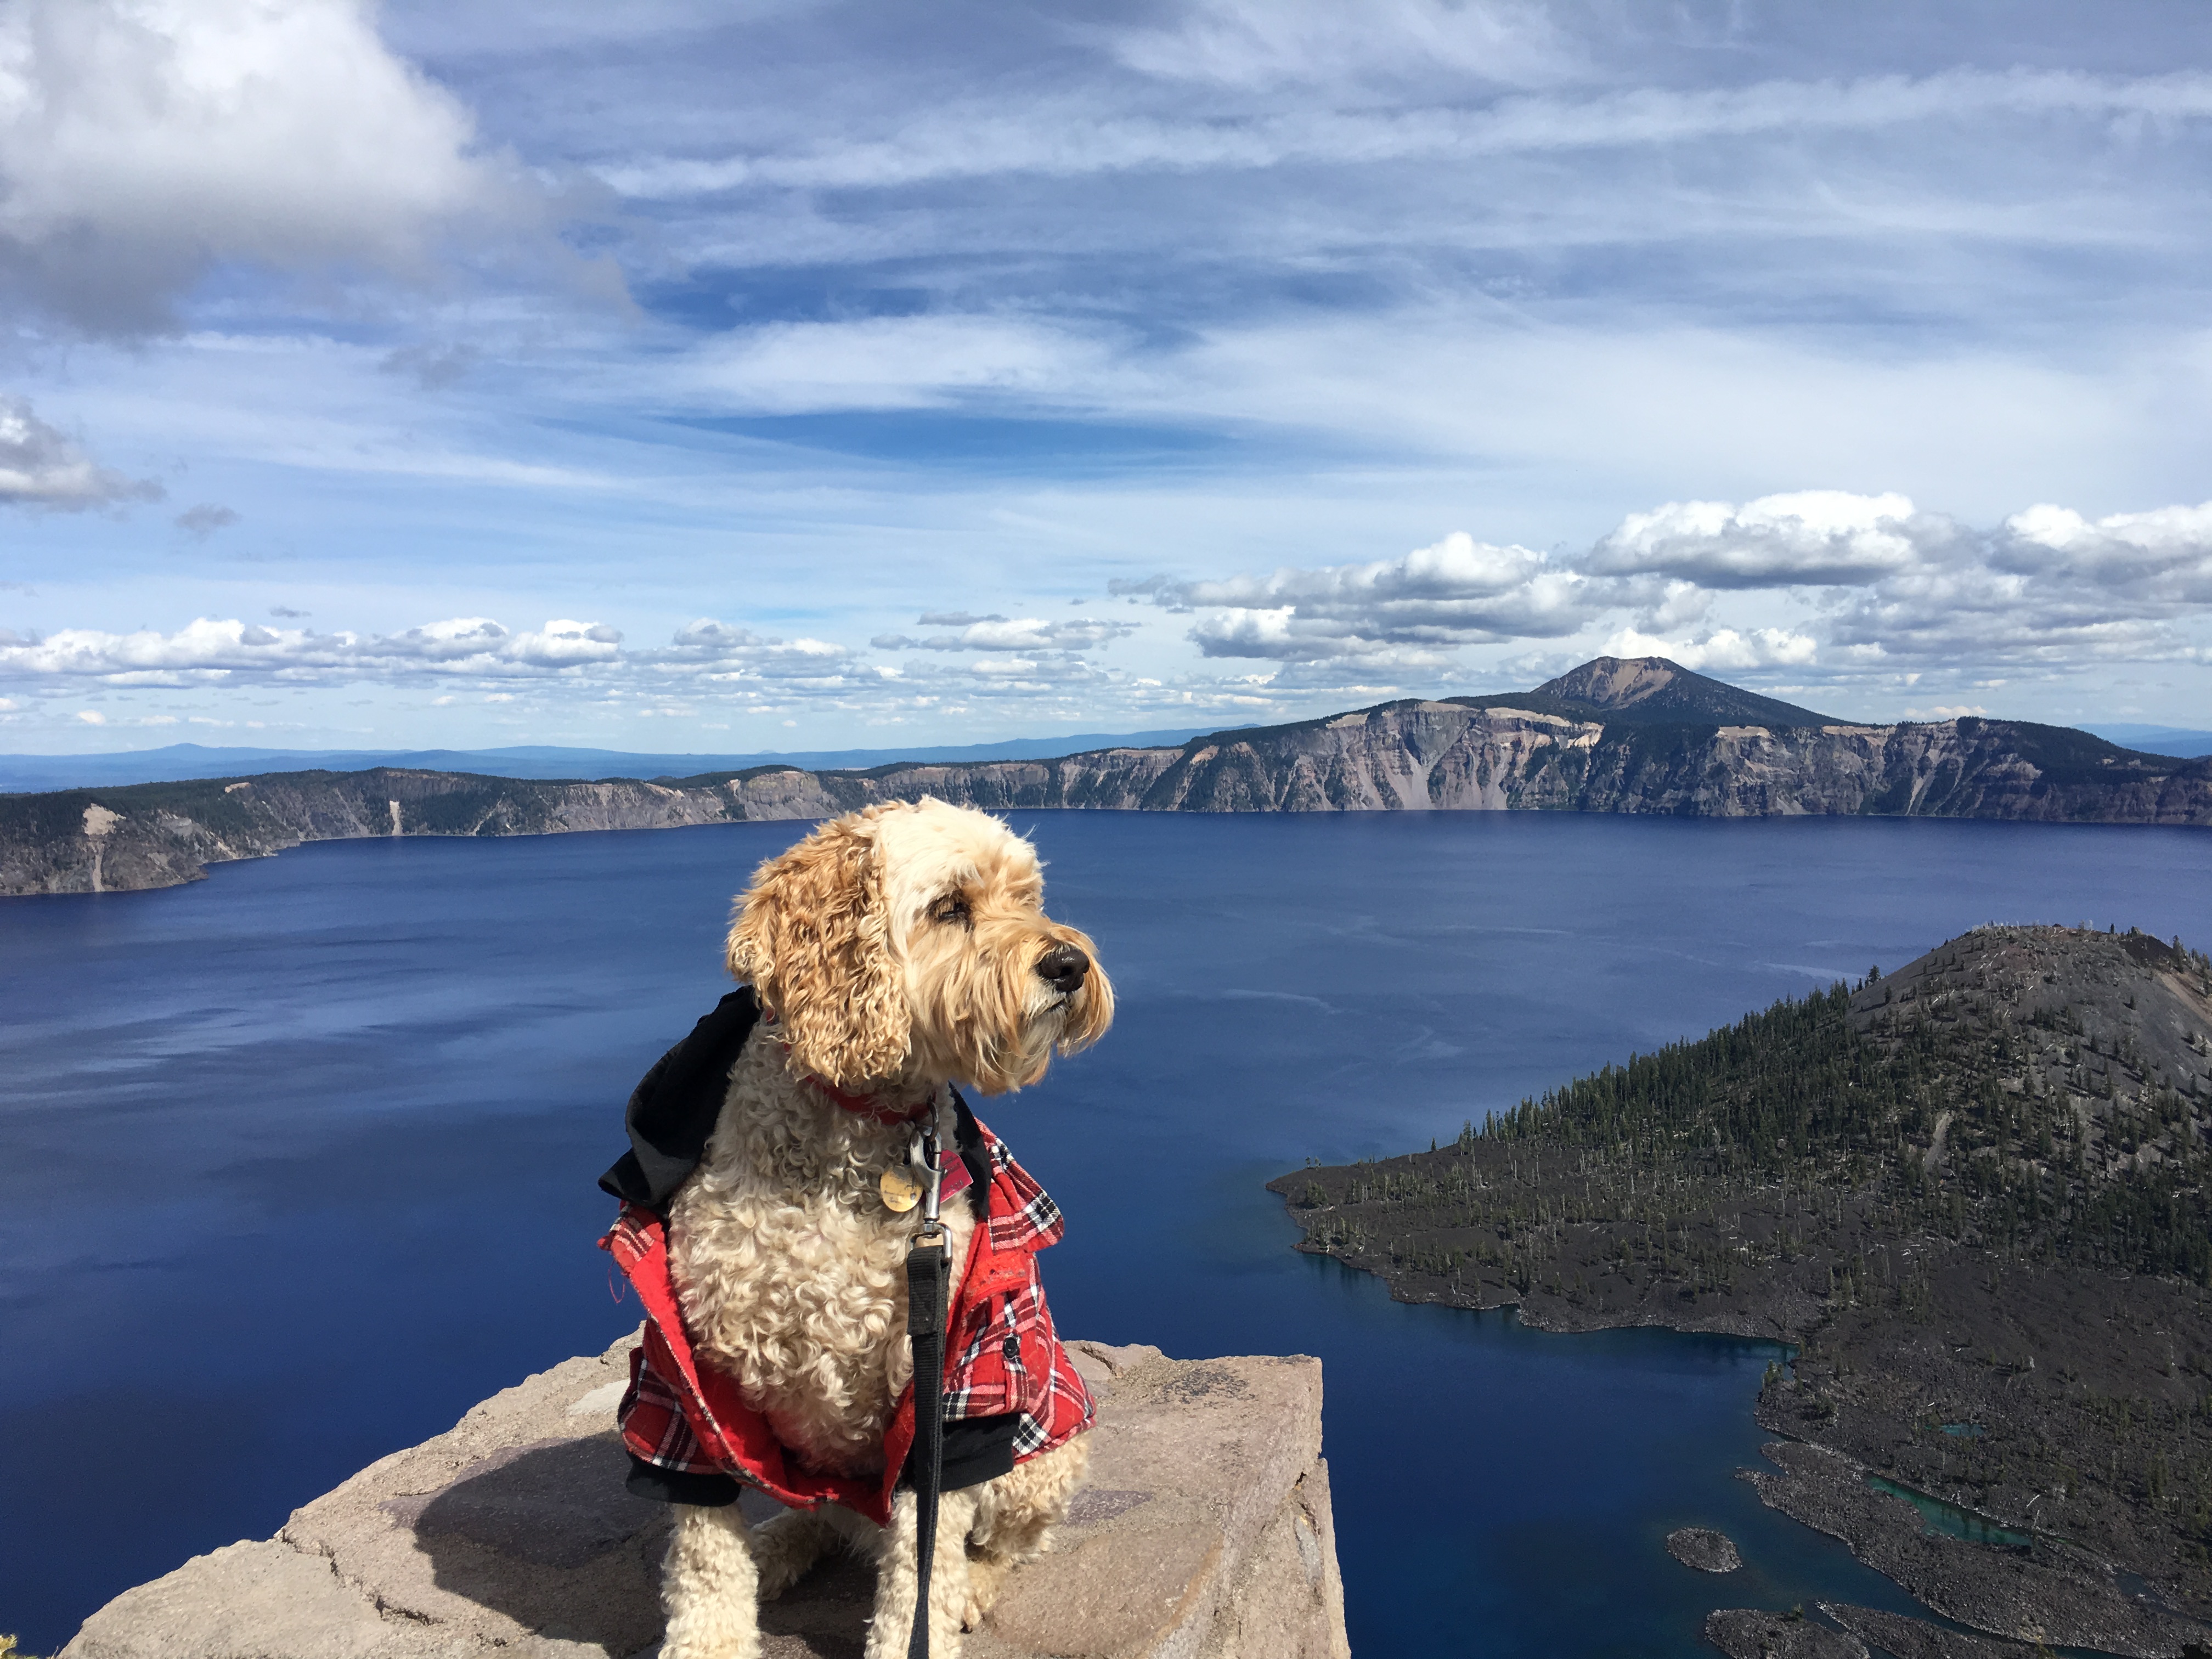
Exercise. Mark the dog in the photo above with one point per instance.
(890, 954)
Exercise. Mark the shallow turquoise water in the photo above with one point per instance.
(1951, 1519)
(298, 1163)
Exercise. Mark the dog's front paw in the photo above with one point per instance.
(987, 1577)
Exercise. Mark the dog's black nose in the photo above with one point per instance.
(1063, 967)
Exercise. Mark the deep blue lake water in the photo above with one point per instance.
(297, 1164)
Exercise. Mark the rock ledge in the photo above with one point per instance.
(1204, 1531)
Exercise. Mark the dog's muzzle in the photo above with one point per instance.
(1064, 968)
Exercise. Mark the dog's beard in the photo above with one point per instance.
(980, 1013)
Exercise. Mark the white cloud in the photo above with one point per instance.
(92, 717)
(1813, 537)
(1722, 649)
(1256, 43)
(1060, 137)
(2163, 556)
(1900, 584)
(142, 141)
(1971, 613)
(999, 634)
(565, 644)
(1407, 611)
(43, 467)
(213, 651)
(891, 362)
(1861, 590)
(1889, 586)
(718, 652)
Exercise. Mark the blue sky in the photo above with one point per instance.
(728, 377)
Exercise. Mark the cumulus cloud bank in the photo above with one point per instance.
(1890, 583)
(705, 660)
(1458, 591)
(1873, 583)
(1813, 538)
(214, 651)
(718, 652)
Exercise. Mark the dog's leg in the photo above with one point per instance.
(786, 1545)
(709, 1587)
(1014, 1518)
(948, 1579)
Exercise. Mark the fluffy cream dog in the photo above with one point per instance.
(891, 952)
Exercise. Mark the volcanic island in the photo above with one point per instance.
(1972, 1197)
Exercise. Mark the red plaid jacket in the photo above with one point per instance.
(1002, 1356)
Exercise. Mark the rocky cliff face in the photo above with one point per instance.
(1459, 756)
(1464, 754)
(1205, 1529)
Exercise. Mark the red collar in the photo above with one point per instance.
(864, 1106)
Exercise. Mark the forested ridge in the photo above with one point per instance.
(2041, 1114)
(1975, 1193)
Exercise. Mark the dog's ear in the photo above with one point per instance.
(811, 936)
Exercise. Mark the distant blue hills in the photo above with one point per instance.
(2156, 739)
(179, 760)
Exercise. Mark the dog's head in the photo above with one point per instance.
(909, 942)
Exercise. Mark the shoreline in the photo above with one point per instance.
(1529, 753)
(2065, 1597)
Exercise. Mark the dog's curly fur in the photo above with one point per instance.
(895, 949)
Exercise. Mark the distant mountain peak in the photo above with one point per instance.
(1617, 682)
(1655, 690)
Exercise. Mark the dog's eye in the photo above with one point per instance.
(951, 908)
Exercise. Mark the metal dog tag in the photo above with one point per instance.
(901, 1191)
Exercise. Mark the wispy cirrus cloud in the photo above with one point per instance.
(1024, 633)
(1266, 43)
(1062, 137)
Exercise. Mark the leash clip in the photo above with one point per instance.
(931, 1233)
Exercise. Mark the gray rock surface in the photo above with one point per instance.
(1703, 1548)
(1749, 1633)
(1894, 1634)
(2060, 1595)
(1204, 1531)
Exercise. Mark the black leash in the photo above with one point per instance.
(926, 1264)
